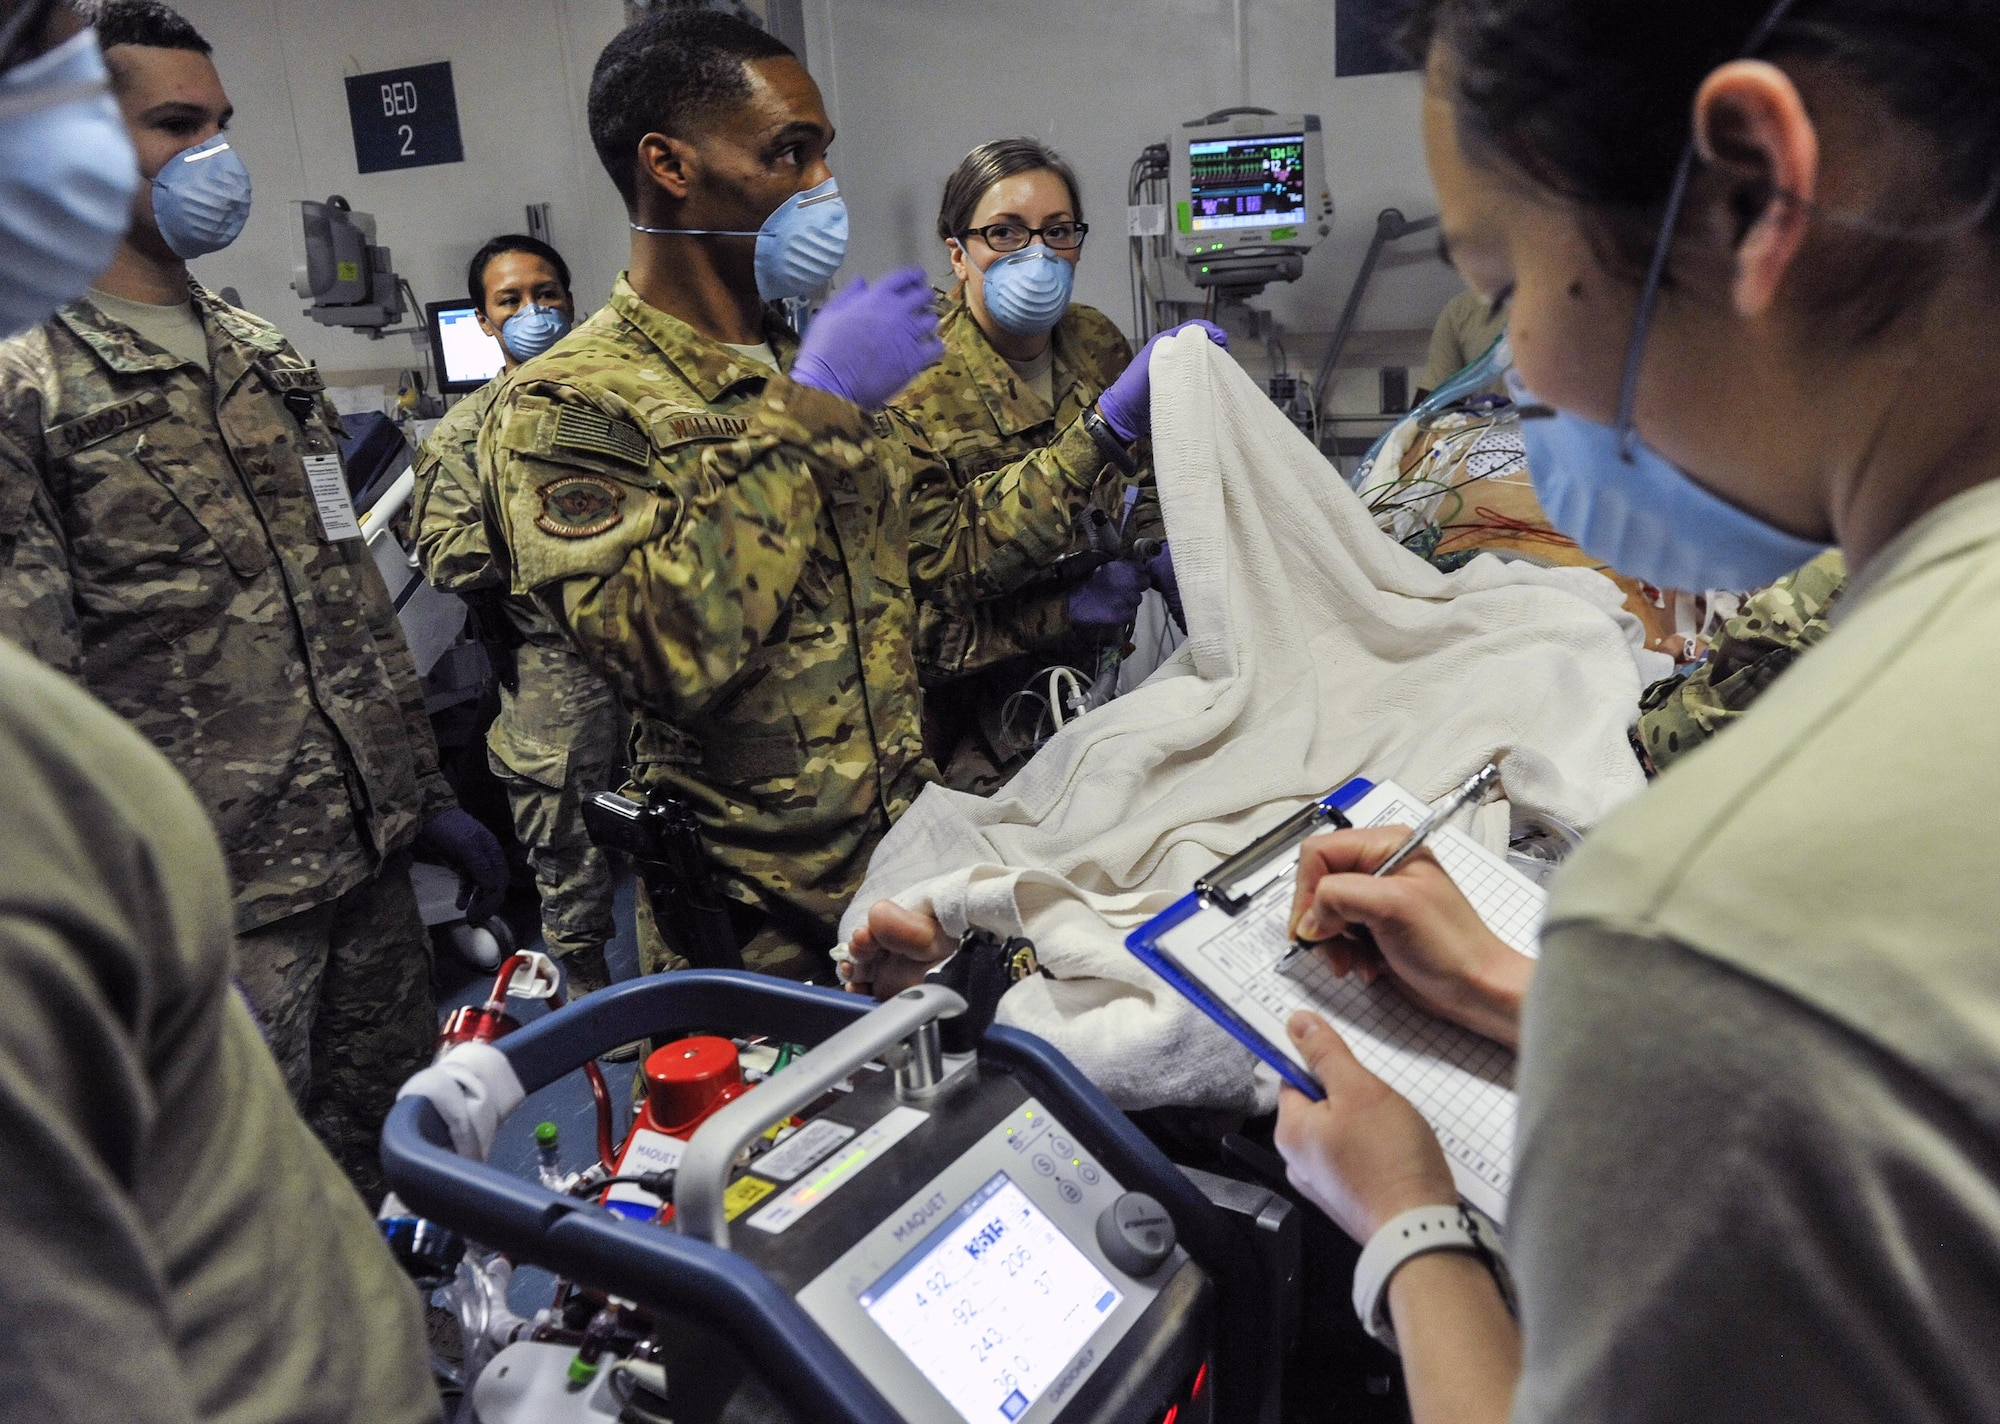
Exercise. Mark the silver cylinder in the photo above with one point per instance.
(919, 1062)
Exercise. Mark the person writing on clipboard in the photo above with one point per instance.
(1758, 1163)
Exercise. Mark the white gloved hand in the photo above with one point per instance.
(474, 1088)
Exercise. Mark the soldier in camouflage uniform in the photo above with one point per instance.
(969, 419)
(161, 542)
(1001, 403)
(1776, 624)
(560, 734)
(728, 545)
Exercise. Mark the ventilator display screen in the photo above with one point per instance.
(1247, 182)
(466, 356)
(993, 1305)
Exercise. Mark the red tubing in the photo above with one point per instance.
(498, 998)
(606, 1152)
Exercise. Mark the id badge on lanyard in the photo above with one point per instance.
(326, 477)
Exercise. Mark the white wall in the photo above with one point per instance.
(911, 85)
(521, 69)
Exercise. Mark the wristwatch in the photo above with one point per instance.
(1415, 1233)
(1114, 449)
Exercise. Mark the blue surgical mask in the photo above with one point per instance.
(799, 247)
(1618, 498)
(67, 175)
(1643, 516)
(532, 330)
(1027, 292)
(201, 199)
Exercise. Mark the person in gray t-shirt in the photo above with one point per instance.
(1757, 1174)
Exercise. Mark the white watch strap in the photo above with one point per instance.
(1414, 1233)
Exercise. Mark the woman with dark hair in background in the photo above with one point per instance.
(1023, 372)
(1758, 1164)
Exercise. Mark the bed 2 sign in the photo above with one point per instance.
(404, 118)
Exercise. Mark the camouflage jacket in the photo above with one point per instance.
(450, 527)
(732, 551)
(1775, 625)
(973, 425)
(159, 542)
(444, 508)
(547, 711)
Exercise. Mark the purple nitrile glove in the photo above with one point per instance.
(869, 342)
(456, 840)
(1127, 404)
(1110, 596)
(1160, 569)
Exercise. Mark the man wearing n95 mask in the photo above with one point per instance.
(714, 508)
(560, 734)
(179, 540)
(179, 1249)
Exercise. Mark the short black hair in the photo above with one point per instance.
(475, 270)
(663, 74)
(1592, 99)
(141, 22)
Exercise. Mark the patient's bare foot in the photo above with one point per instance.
(895, 949)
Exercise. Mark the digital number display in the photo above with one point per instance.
(993, 1304)
(1247, 182)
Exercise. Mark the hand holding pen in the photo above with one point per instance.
(1416, 923)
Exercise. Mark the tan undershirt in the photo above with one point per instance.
(761, 353)
(1039, 373)
(175, 328)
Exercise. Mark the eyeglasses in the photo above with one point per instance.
(1012, 237)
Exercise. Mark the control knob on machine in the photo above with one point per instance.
(1136, 1234)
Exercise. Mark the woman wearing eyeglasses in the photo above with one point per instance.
(1027, 376)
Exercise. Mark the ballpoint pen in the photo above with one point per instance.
(1468, 791)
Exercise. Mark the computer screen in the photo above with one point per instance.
(466, 357)
(1258, 181)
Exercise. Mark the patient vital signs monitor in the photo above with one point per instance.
(1249, 197)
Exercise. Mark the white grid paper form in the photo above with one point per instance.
(1462, 1083)
(1511, 904)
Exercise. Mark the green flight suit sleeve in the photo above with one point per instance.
(80, 1261)
(37, 597)
(994, 534)
(668, 557)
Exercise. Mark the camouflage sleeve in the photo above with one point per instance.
(952, 642)
(996, 532)
(1775, 625)
(668, 558)
(445, 516)
(434, 793)
(37, 600)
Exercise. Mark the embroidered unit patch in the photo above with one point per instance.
(580, 506)
(596, 433)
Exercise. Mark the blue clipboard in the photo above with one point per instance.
(1213, 890)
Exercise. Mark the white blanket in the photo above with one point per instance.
(1318, 650)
